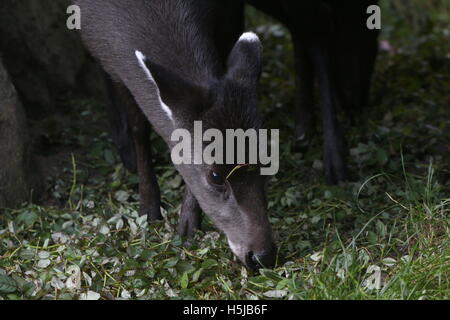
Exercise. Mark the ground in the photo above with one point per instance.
(384, 235)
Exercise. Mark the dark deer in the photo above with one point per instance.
(332, 45)
(173, 62)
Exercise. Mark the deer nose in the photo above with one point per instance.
(263, 259)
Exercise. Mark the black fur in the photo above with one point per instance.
(333, 46)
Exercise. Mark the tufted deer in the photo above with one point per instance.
(174, 62)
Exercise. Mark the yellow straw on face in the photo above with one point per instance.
(236, 168)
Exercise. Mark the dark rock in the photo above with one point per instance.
(20, 178)
(46, 61)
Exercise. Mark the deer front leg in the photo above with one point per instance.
(149, 194)
(131, 134)
(190, 216)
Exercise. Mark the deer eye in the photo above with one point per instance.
(216, 178)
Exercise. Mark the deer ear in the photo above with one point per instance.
(172, 87)
(245, 60)
(142, 60)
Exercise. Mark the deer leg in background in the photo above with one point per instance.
(334, 142)
(304, 92)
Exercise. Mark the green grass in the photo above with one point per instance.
(385, 235)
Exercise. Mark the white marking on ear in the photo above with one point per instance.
(141, 59)
(249, 37)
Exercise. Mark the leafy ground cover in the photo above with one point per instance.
(385, 235)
